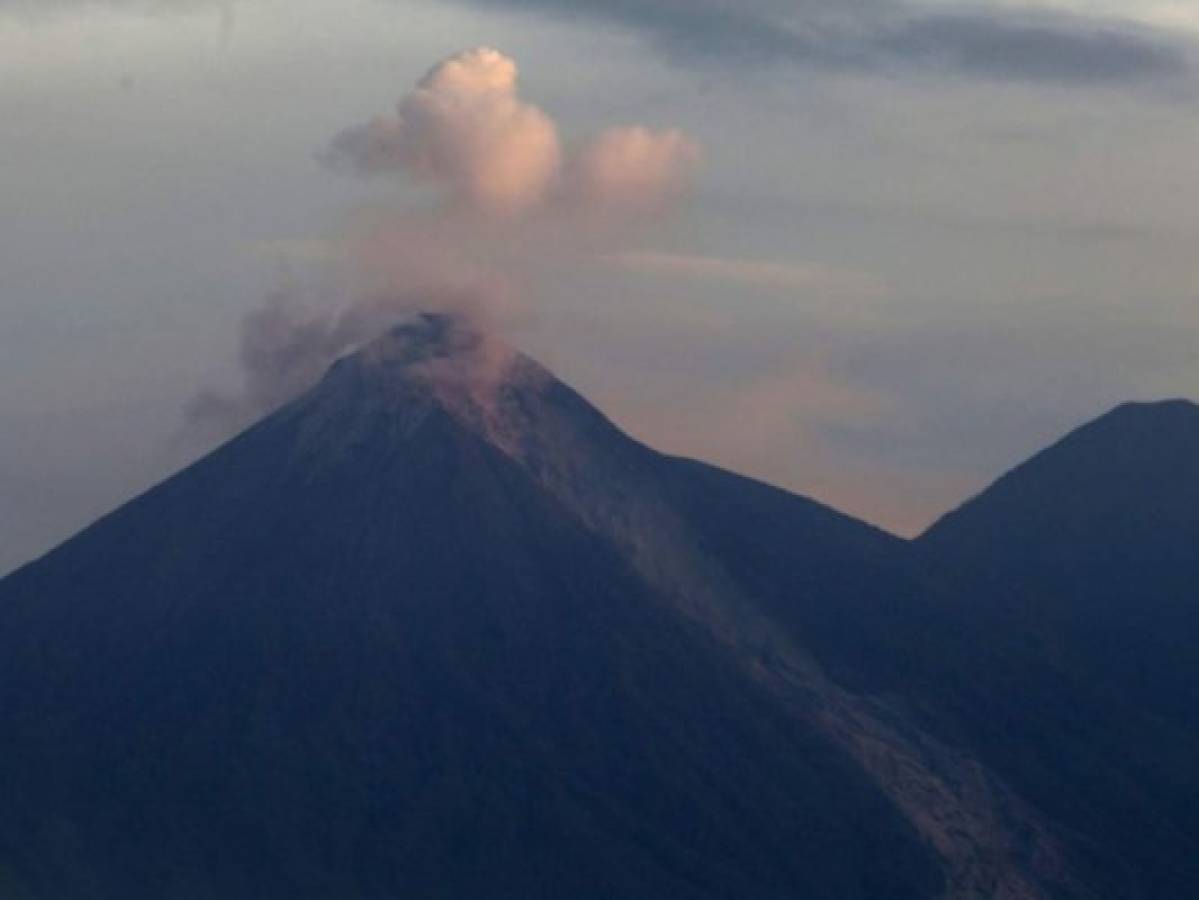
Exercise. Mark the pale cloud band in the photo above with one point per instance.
(1064, 41)
(800, 278)
(985, 39)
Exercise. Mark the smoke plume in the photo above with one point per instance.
(513, 197)
(466, 128)
(289, 342)
(633, 170)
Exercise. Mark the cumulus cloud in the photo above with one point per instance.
(515, 198)
(466, 128)
(633, 169)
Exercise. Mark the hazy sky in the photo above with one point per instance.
(926, 238)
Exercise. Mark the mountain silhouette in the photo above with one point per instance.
(365, 650)
(438, 629)
(1081, 569)
(1095, 542)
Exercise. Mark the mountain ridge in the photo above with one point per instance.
(358, 651)
(438, 627)
(1084, 559)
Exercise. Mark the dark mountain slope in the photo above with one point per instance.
(438, 629)
(851, 594)
(1082, 566)
(381, 646)
(828, 612)
(1119, 493)
(1095, 544)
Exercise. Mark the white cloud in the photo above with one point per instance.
(464, 126)
(634, 169)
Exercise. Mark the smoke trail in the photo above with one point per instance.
(512, 198)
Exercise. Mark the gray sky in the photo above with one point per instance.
(926, 239)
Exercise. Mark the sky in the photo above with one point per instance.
(895, 246)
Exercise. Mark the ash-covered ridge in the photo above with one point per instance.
(437, 628)
(642, 504)
(423, 632)
(425, 339)
(439, 353)
(427, 367)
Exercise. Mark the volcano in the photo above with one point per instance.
(420, 633)
(439, 629)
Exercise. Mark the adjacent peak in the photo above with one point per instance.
(1132, 473)
(1134, 436)
(1153, 413)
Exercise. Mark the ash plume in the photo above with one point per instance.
(512, 197)
(289, 342)
(633, 170)
(466, 128)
